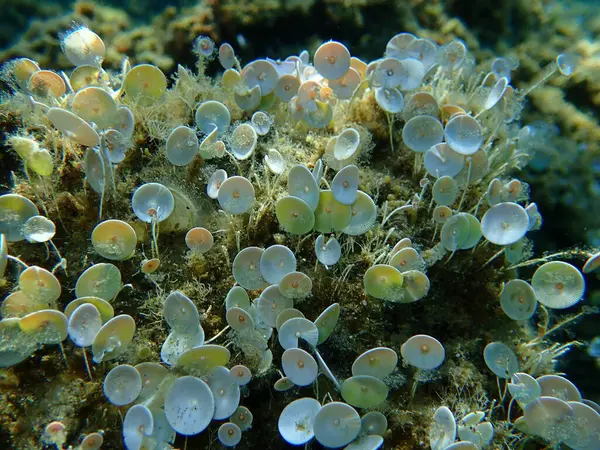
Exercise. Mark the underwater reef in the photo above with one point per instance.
(214, 238)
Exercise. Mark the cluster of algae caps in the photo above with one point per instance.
(458, 125)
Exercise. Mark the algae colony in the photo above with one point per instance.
(324, 224)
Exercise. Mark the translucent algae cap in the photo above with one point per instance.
(505, 223)
(558, 285)
(332, 60)
(500, 359)
(336, 424)
(15, 210)
(114, 239)
(122, 385)
(378, 362)
(276, 262)
(236, 195)
(152, 201)
(297, 420)
(423, 352)
(100, 280)
(189, 405)
(294, 215)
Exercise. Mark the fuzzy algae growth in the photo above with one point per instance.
(340, 163)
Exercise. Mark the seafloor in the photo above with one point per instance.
(461, 308)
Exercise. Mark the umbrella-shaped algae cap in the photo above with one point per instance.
(105, 309)
(297, 420)
(443, 429)
(550, 418)
(423, 352)
(100, 280)
(225, 390)
(271, 303)
(189, 405)
(236, 195)
(246, 268)
(303, 185)
(363, 215)
(152, 376)
(559, 387)
(364, 391)
(84, 324)
(40, 285)
(242, 417)
(374, 423)
(73, 127)
(500, 359)
(199, 240)
(242, 141)
(145, 82)
(276, 262)
(182, 146)
(422, 132)
(299, 366)
(122, 385)
(180, 312)
(295, 285)
(505, 223)
(137, 424)
(524, 388)
(336, 424)
(39, 229)
(464, 134)
(345, 185)
(518, 300)
(294, 215)
(113, 338)
(330, 214)
(332, 60)
(204, 358)
(82, 46)
(152, 201)
(295, 329)
(384, 282)
(558, 285)
(241, 375)
(15, 210)
(237, 297)
(229, 434)
(378, 362)
(327, 321)
(114, 239)
(48, 326)
(211, 114)
(95, 105)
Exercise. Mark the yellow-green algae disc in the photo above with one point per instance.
(73, 126)
(113, 338)
(45, 83)
(327, 321)
(48, 325)
(15, 210)
(101, 280)
(415, 286)
(114, 239)
(19, 304)
(384, 282)
(104, 308)
(294, 215)
(364, 391)
(204, 358)
(40, 284)
(558, 284)
(295, 285)
(146, 82)
(330, 214)
(378, 362)
(94, 104)
(41, 162)
(84, 76)
(22, 69)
